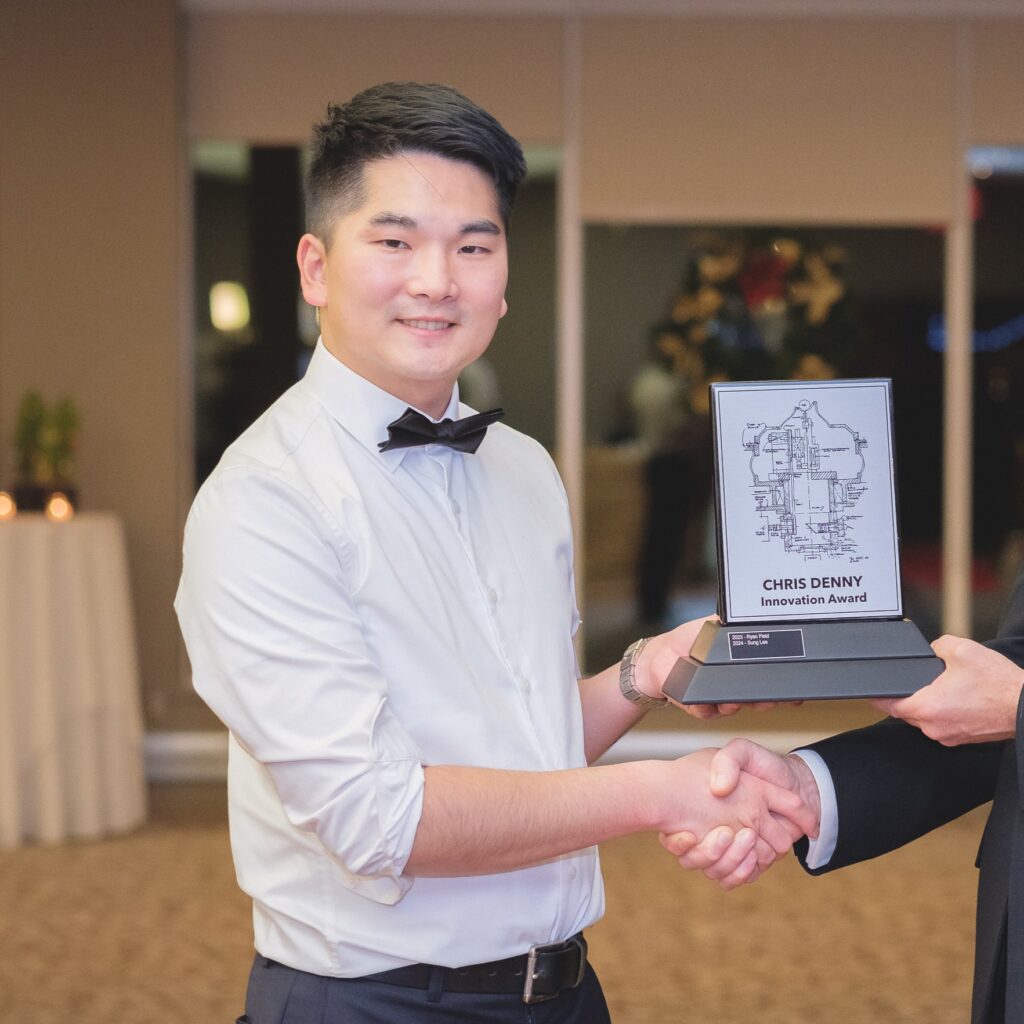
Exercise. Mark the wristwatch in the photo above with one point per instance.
(627, 676)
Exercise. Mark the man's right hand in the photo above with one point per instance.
(725, 854)
(746, 820)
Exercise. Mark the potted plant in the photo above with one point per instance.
(45, 443)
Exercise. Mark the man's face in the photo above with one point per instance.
(412, 285)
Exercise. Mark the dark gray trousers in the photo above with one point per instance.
(283, 995)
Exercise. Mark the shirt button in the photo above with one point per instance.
(572, 872)
(492, 595)
(527, 686)
(455, 507)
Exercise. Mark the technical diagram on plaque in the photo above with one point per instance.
(806, 500)
(808, 477)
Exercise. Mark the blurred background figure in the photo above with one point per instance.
(671, 429)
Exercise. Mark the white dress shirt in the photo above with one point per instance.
(353, 616)
(820, 850)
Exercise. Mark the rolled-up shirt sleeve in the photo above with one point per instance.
(279, 653)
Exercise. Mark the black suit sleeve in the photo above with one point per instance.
(893, 784)
(1010, 638)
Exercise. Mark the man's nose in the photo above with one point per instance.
(432, 277)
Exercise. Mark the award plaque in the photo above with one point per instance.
(810, 600)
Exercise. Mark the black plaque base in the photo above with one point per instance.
(745, 663)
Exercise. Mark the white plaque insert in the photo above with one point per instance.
(806, 501)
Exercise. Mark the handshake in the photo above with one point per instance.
(747, 805)
(756, 804)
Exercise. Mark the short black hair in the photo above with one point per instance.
(399, 117)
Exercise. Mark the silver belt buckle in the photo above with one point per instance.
(531, 967)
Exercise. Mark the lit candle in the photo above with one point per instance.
(58, 508)
(8, 509)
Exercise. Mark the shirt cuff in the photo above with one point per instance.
(820, 850)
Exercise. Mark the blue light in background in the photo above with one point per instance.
(994, 339)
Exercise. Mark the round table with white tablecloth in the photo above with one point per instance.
(70, 718)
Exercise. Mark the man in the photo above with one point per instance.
(659, 400)
(378, 603)
(948, 748)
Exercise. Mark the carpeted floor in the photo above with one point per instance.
(149, 928)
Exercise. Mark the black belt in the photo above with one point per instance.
(538, 975)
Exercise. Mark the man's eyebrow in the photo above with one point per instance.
(388, 219)
(480, 227)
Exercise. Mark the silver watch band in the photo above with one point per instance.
(627, 676)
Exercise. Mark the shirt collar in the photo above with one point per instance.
(360, 407)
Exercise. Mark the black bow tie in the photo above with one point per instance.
(413, 428)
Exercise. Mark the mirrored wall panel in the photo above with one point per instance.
(670, 309)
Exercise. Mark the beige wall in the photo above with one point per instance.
(998, 88)
(746, 120)
(841, 120)
(268, 77)
(89, 279)
(731, 119)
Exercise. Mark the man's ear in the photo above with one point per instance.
(312, 259)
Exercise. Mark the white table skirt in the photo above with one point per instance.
(70, 718)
